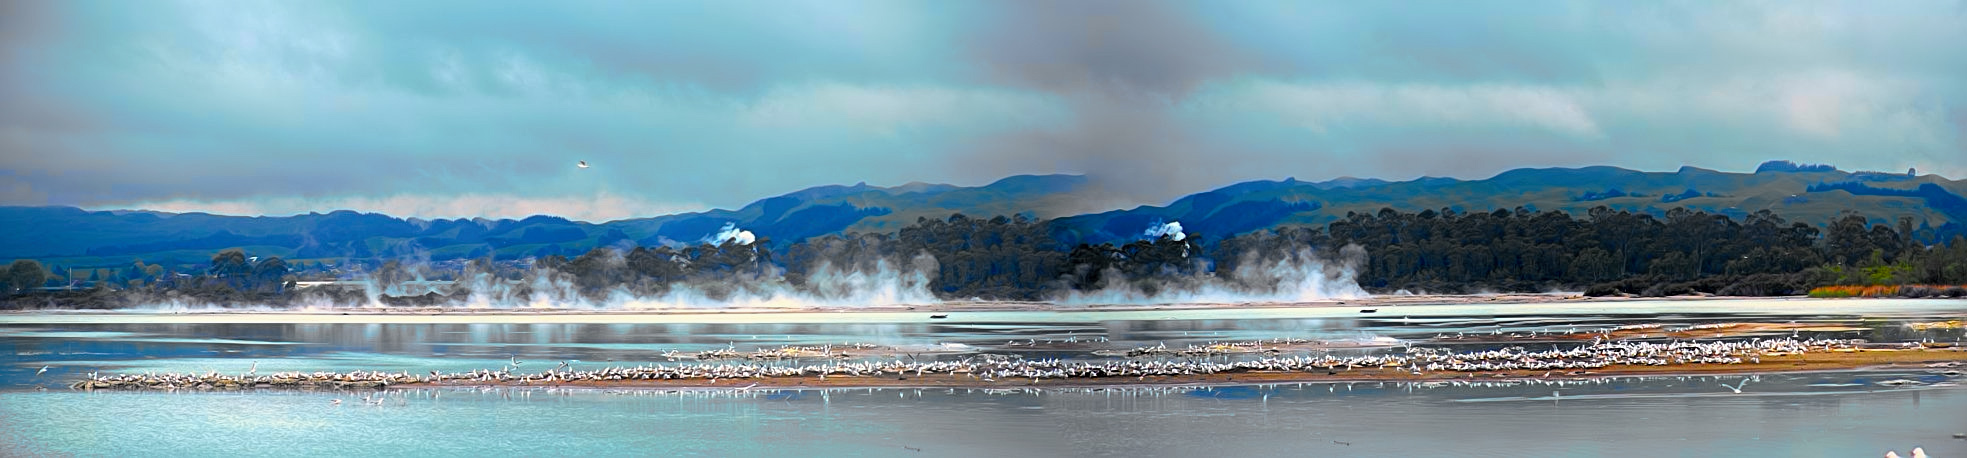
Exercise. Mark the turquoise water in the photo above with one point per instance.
(1821, 414)
(1777, 416)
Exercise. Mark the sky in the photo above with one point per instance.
(445, 109)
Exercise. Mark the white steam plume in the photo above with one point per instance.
(1172, 230)
(829, 285)
(1298, 276)
(731, 233)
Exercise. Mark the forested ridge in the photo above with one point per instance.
(1604, 252)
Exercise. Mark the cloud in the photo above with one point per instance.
(1101, 46)
(1326, 108)
(320, 103)
(1471, 130)
(888, 111)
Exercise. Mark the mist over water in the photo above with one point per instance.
(1295, 276)
(827, 285)
(731, 268)
(1299, 276)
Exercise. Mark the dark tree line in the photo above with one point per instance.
(648, 271)
(1015, 258)
(1611, 252)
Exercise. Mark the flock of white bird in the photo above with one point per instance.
(991, 368)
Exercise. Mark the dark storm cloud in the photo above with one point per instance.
(1123, 67)
(1122, 47)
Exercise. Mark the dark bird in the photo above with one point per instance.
(1348, 444)
(1369, 310)
(938, 317)
(583, 164)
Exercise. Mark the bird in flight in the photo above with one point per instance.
(583, 164)
(1738, 386)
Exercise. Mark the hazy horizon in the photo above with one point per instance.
(381, 206)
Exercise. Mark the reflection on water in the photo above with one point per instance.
(1824, 414)
(1618, 417)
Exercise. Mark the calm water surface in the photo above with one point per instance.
(1819, 414)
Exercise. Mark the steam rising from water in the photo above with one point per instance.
(839, 282)
(827, 285)
(1299, 276)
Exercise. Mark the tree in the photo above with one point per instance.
(1847, 242)
(230, 264)
(24, 274)
(270, 271)
(137, 274)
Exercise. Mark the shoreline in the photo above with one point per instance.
(1388, 307)
(948, 306)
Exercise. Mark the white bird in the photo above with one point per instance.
(44, 370)
(583, 164)
(1738, 387)
(1918, 452)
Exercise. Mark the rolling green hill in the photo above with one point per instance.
(78, 238)
(1932, 201)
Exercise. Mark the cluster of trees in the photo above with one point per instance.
(1604, 251)
(1004, 258)
(1612, 252)
(654, 270)
(1016, 258)
(1007, 258)
(233, 269)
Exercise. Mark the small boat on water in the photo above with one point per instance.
(1369, 310)
(938, 317)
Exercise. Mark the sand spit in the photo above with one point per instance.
(1650, 331)
(998, 371)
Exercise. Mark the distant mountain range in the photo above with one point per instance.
(1815, 194)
